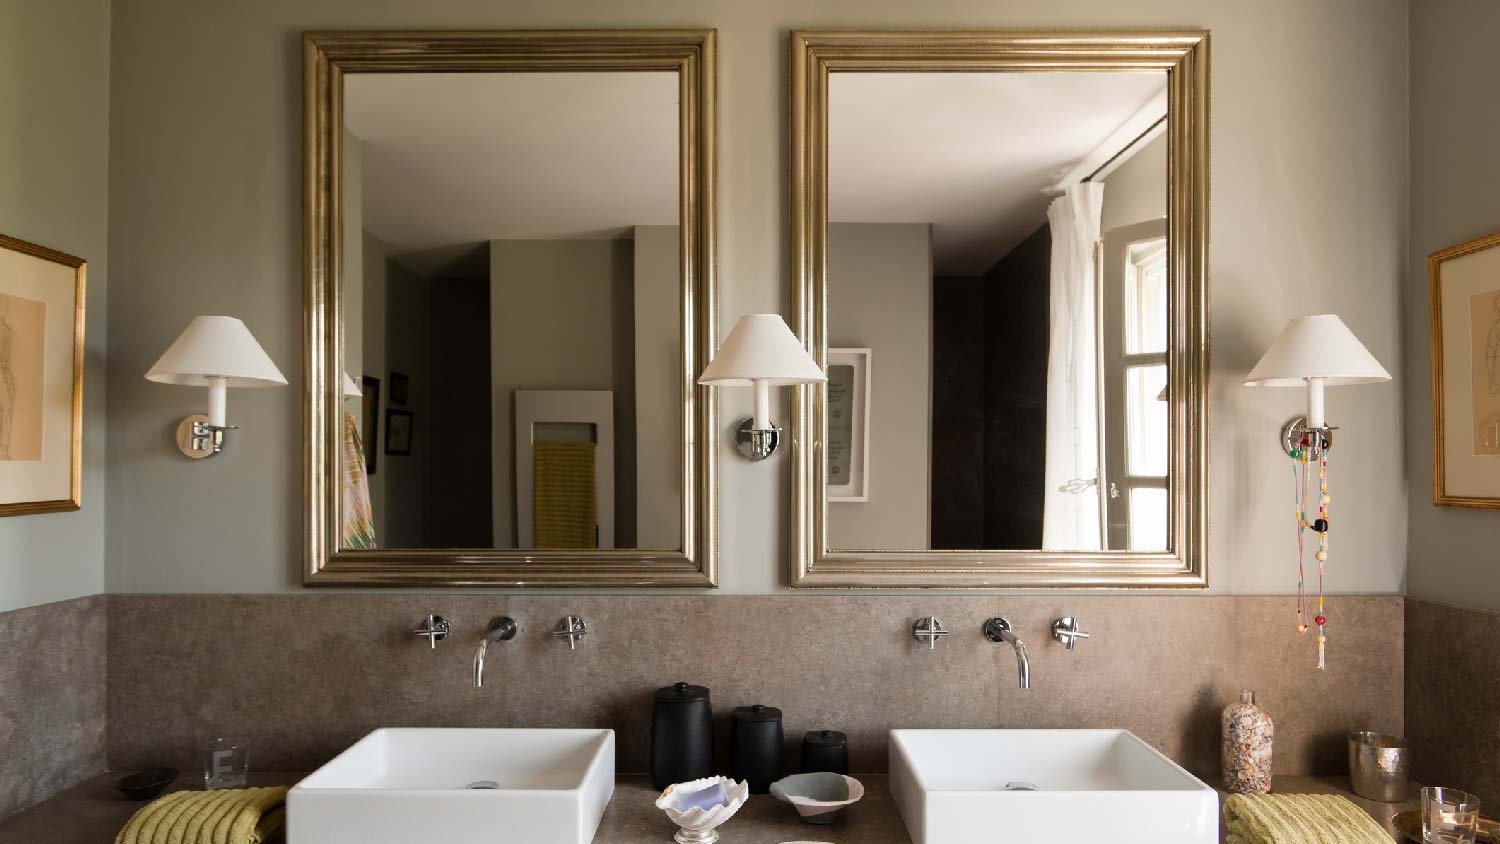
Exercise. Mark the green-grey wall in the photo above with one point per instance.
(1455, 167)
(54, 188)
(1308, 214)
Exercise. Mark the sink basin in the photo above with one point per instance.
(404, 785)
(1035, 786)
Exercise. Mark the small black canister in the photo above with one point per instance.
(825, 750)
(682, 735)
(755, 746)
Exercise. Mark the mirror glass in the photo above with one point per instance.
(997, 320)
(512, 311)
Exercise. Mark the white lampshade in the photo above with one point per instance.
(1318, 346)
(214, 348)
(761, 348)
(351, 389)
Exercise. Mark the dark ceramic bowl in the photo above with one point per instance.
(147, 784)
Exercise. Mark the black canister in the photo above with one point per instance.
(682, 735)
(825, 750)
(755, 746)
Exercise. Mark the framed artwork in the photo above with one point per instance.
(41, 378)
(399, 388)
(1466, 373)
(369, 411)
(397, 431)
(848, 425)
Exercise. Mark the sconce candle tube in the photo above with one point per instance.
(1315, 417)
(218, 394)
(762, 387)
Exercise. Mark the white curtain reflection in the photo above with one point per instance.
(1070, 518)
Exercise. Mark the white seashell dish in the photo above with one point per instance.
(698, 825)
(818, 797)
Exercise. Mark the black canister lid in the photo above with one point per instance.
(825, 738)
(681, 693)
(757, 712)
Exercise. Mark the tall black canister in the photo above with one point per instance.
(682, 735)
(755, 746)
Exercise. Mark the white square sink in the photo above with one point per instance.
(965, 787)
(405, 785)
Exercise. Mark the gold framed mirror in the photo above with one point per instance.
(509, 269)
(1000, 246)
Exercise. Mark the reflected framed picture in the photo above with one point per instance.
(369, 411)
(1466, 373)
(41, 378)
(398, 431)
(848, 425)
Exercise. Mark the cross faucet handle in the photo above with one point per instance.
(1066, 630)
(574, 628)
(435, 628)
(928, 629)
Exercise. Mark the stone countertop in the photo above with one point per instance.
(92, 812)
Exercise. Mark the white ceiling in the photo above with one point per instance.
(971, 153)
(458, 158)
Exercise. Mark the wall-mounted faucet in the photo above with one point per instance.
(1066, 630)
(502, 629)
(928, 630)
(574, 628)
(435, 628)
(998, 629)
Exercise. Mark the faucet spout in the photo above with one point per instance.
(502, 629)
(998, 629)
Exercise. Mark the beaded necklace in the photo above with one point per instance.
(1315, 444)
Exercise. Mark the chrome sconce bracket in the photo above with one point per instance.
(755, 444)
(1296, 432)
(198, 439)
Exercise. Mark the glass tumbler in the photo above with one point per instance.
(226, 764)
(1449, 816)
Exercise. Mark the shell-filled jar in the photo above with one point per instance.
(1248, 736)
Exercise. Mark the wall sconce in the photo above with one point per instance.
(217, 352)
(351, 389)
(1315, 351)
(761, 352)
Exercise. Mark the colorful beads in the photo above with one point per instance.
(1321, 556)
(1320, 620)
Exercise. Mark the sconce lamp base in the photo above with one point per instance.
(198, 439)
(1295, 430)
(756, 445)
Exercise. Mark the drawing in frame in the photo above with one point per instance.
(398, 430)
(848, 425)
(1466, 373)
(41, 378)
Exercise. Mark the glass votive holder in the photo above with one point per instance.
(226, 764)
(1449, 816)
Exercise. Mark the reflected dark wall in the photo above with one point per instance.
(958, 363)
(990, 402)
(458, 503)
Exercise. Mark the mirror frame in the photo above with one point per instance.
(1184, 56)
(327, 56)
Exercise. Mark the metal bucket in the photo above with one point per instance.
(1380, 766)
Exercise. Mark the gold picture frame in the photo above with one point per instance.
(1466, 374)
(1184, 57)
(41, 412)
(327, 56)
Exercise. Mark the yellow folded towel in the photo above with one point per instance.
(1299, 819)
(224, 816)
(565, 499)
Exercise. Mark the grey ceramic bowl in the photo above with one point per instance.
(818, 797)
